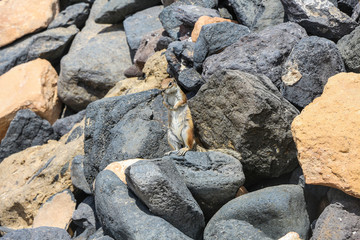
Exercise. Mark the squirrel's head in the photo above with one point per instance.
(169, 85)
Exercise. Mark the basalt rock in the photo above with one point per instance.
(349, 47)
(73, 15)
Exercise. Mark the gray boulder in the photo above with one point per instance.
(77, 174)
(341, 218)
(349, 47)
(26, 130)
(115, 11)
(307, 69)
(50, 45)
(320, 18)
(347, 6)
(40, 233)
(190, 80)
(96, 61)
(125, 127)
(356, 13)
(64, 125)
(274, 211)
(213, 38)
(212, 177)
(246, 113)
(124, 216)
(84, 216)
(140, 24)
(184, 12)
(179, 55)
(258, 14)
(263, 52)
(73, 15)
(160, 186)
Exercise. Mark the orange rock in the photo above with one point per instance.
(291, 236)
(242, 190)
(119, 168)
(19, 17)
(32, 85)
(57, 211)
(327, 135)
(203, 21)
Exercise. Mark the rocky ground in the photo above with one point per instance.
(273, 87)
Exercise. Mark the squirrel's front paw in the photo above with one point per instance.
(171, 152)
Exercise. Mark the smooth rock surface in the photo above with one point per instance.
(306, 71)
(246, 113)
(30, 177)
(160, 186)
(115, 11)
(327, 136)
(212, 177)
(213, 38)
(15, 22)
(73, 15)
(320, 18)
(275, 211)
(49, 45)
(26, 130)
(37, 234)
(35, 86)
(263, 52)
(140, 24)
(96, 61)
(56, 211)
(124, 216)
(258, 14)
(84, 216)
(349, 47)
(77, 174)
(138, 126)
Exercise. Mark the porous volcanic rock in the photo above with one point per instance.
(246, 113)
(35, 86)
(38, 233)
(18, 18)
(203, 20)
(262, 52)
(320, 18)
(349, 47)
(74, 14)
(327, 136)
(311, 62)
(96, 61)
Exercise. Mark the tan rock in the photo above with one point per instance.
(291, 236)
(31, 85)
(30, 177)
(119, 167)
(203, 21)
(242, 190)
(155, 70)
(57, 211)
(19, 17)
(327, 135)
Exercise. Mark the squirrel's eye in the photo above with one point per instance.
(170, 83)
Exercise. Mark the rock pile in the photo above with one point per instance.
(273, 88)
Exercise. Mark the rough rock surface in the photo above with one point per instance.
(246, 113)
(311, 62)
(275, 211)
(96, 61)
(37, 234)
(56, 211)
(190, 80)
(160, 186)
(340, 219)
(77, 174)
(212, 177)
(123, 216)
(138, 126)
(15, 22)
(30, 177)
(263, 52)
(180, 55)
(74, 14)
(213, 38)
(258, 14)
(349, 47)
(64, 125)
(25, 130)
(203, 21)
(115, 11)
(35, 86)
(49, 45)
(140, 24)
(328, 156)
(320, 18)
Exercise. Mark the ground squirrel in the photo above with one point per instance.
(180, 124)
